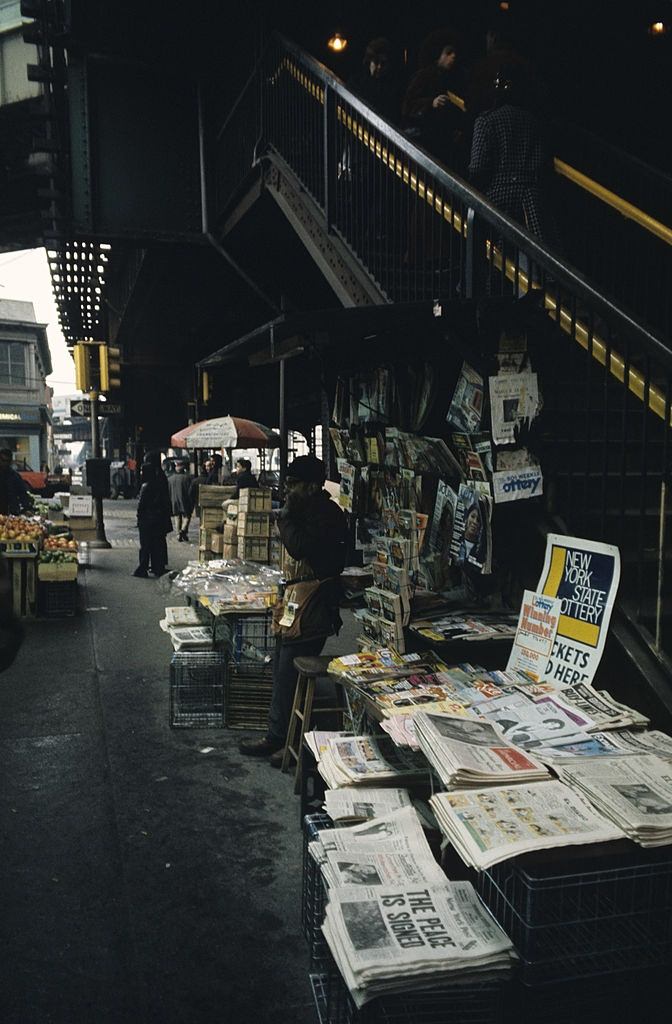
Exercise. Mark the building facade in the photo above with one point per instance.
(25, 398)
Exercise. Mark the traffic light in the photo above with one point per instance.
(81, 355)
(110, 367)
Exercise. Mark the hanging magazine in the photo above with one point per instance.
(466, 407)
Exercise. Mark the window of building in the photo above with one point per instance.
(12, 362)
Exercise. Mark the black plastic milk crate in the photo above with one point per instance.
(472, 1001)
(588, 914)
(252, 639)
(313, 890)
(57, 599)
(197, 681)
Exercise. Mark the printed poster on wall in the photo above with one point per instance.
(584, 575)
(535, 635)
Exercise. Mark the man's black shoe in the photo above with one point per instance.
(260, 748)
(141, 573)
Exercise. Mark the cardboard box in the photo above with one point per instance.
(217, 543)
(253, 549)
(254, 499)
(230, 551)
(254, 524)
(83, 527)
(230, 534)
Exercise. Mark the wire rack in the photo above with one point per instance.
(197, 697)
(313, 890)
(249, 687)
(592, 916)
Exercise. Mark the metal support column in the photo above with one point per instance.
(101, 540)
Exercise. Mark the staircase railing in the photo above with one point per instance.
(424, 234)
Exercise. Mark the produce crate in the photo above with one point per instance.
(57, 571)
(584, 915)
(253, 549)
(211, 518)
(254, 524)
(248, 695)
(254, 499)
(57, 600)
(197, 685)
(217, 543)
(19, 547)
(23, 576)
(313, 890)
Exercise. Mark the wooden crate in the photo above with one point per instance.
(254, 524)
(212, 495)
(217, 543)
(22, 572)
(254, 499)
(211, 518)
(253, 549)
(248, 693)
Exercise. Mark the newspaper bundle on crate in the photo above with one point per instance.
(490, 825)
(364, 803)
(634, 792)
(358, 760)
(388, 939)
(467, 752)
(397, 831)
(191, 638)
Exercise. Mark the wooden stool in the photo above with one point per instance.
(308, 669)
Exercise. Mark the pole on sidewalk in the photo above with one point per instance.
(101, 540)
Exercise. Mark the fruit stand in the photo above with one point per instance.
(42, 559)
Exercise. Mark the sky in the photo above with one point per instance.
(25, 275)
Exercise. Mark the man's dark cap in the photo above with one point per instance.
(307, 469)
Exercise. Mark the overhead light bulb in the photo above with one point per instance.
(658, 28)
(337, 43)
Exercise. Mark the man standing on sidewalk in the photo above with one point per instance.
(313, 533)
(179, 489)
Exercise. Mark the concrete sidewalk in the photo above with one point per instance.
(143, 878)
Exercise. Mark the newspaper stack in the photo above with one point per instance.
(466, 626)
(391, 850)
(388, 939)
(359, 760)
(316, 740)
(634, 792)
(402, 730)
(597, 706)
(468, 752)
(179, 615)
(362, 804)
(191, 638)
(487, 826)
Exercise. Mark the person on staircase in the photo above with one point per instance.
(312, 529)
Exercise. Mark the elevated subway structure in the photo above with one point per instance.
(384, 224)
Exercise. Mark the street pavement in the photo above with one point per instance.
(148, 874)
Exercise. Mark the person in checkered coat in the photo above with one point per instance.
(510, 161)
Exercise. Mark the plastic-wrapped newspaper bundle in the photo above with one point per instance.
(388, 939)
(230, 584)
(360, 760)
(634, 792)
(487, 826)
(467, 752)
(191, 638)
(362, 803)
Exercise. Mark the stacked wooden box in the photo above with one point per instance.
(210, 537)
(254, 524)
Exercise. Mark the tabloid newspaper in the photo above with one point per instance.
(388, 939)
(362, 804)
(360, 760)
(398, 831)
(634, 792)
(530, 723)
(469, 752)
(584, 575)
(490, 825)
(191, 638)
(466, 406)
(514, 401)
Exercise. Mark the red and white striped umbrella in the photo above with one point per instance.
(225, 432)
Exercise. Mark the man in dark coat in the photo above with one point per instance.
(313, 533)
(13, 491)
(153, 521)
(182, 506)
(428, 113)
(244, 477)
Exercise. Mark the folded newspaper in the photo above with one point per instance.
(487, 826)
(362, 804)
(467, 752)
(194, 638)
(179, 615)
(388, 939)
(634, 792)
(360, 760)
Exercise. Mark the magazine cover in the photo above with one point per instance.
(466, 407)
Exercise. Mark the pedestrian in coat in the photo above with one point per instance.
(154, 523)
(182, 506)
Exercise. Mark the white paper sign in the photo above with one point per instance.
(80, 505)
(535, 635)
(517, 484)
